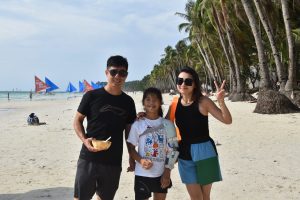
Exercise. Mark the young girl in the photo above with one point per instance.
(157, 149)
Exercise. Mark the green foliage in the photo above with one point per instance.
(134, 86)
(203, 48)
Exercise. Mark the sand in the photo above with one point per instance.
(259, 154)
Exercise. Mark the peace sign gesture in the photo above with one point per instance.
(220, 93)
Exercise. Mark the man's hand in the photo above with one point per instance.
(88, 143)
(131, 165)
(140, 115)
(165, 178)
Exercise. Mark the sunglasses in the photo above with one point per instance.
(114, 72)
(187, 81)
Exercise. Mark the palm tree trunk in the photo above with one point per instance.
(225, 50)
(269, 30)
(268, 101)
(211, 67)
(207, 63)
(173, 78)
(229, 34)
(216, 70)
(265, 83)
(291, 82)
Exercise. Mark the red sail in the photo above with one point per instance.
(39, 85)
(87, 86)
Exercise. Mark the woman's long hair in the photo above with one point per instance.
(197, 89)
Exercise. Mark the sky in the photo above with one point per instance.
(71, 40)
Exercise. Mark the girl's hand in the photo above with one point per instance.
(165, 178)
(146, 163)
(220, 93)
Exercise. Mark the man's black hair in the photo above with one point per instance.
(117, 61)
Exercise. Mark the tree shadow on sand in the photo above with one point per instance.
(59, 193)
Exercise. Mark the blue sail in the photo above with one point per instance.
(71, 88)
(81, 86)
(101, 85)
(94, 85)
(51, 85)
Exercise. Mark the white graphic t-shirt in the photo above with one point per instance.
(150, 137)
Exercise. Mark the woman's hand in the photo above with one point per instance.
(220, 93)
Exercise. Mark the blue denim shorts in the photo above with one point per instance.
(204, 168)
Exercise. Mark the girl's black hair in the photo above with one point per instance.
(157, 93)
(197, 90)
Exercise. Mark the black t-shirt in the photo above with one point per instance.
(107, 115)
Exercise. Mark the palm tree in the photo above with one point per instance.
(240, 93)
(268, 100)
(269, 30)
(291, 82)
(225, 48)
(265, 83)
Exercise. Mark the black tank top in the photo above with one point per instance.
(192, 124)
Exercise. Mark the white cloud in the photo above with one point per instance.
(158, 25)
(54, 20)
(16, 29)
(54, 37)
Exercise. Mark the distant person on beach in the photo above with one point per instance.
(198, 161)
(109, 111)
(30, 95)
(8, 96)
(157, 145)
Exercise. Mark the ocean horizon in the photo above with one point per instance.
(25, 95)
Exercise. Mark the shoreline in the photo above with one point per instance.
(259, 154)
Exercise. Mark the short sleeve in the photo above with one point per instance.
(131, 112)
(133, 136)
(84, 104)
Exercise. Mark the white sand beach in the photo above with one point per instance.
(259, 154)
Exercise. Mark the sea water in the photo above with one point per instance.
(25, 96)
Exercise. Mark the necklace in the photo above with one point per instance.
(186, 103)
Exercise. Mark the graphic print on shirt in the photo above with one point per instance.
(117, 111)
(154, 144)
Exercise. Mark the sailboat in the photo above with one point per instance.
(39, 84)
(51, 85)
(81, 86)
(94, 85)
(71, 88)
(87, 86)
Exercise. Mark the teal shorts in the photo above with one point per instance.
(204, 168)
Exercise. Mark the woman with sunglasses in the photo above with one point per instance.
(198, 162)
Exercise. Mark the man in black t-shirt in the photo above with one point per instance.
(109, 111)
